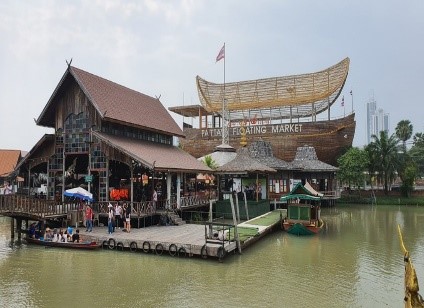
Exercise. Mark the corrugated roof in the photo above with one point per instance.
(8, 161)
(162, 157)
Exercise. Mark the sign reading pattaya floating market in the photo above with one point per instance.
(255, 130)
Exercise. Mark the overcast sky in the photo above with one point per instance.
(158, 48)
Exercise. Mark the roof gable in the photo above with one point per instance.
(8, 161)
(117, 103)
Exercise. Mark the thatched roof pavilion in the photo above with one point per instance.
(262, 151)
(306, 159)
(222, 155)
(243, 164)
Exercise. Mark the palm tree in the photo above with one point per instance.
(385, 150)
(210, 162)
(404, 132)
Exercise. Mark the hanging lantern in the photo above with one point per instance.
(145, 179)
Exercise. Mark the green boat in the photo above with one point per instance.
(303, 211)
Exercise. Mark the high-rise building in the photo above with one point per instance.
(377, 120)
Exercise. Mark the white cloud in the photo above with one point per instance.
(158, 47)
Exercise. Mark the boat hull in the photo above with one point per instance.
(329, 138)
(303, 229)
(69, 245)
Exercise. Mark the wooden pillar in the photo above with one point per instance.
(178, 190)
(132, 184)
(19, 227)
(245, 205)
(12, 228)
(168, 190)
(237, 208)
(235, 224)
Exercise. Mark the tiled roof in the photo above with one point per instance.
(8, 161)
(114, 102)
(123, 104)
(162, 157)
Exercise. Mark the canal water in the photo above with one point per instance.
(355, 262)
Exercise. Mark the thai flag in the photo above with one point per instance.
(221, 54)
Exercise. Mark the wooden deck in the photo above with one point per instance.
(176, 240)
(184, 240)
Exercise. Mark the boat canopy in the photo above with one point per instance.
(283, 97)
(299, 196)
(301, 192)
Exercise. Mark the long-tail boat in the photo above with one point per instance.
(303, 211)
(280, 110)
(72, 245)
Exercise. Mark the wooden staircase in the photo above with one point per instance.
(176, 219)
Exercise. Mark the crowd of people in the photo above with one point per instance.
(119, 216)
(55, 235)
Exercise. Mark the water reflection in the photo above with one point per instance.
(355, 262)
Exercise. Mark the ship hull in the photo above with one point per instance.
(329, 138)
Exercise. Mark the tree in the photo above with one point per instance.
(409, 176)
(208, 161)
(372, 165)
(352, 165)
(385, 151)
(404, 132)
(417, 153)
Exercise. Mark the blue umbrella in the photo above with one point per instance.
(79, 192)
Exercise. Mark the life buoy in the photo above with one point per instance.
(120, 246)
(159, 249)
(133, 246)
(111, 243)
(220, 253)
(146, 246)
(182, 252)
(105, 244)
(173, 250)
(204, 252)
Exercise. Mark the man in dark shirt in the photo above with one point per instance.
(75, 236)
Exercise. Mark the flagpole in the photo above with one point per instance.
(225, 137)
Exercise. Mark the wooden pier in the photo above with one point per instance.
(188, 239)
(208, 239)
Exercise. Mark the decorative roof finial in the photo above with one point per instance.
(68, 63)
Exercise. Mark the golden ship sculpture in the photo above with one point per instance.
(281, 110)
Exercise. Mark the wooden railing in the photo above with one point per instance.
(20, 205)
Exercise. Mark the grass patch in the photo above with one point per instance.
(243, 232)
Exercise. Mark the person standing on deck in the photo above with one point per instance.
(127, 214)
(7, 189)
(155, 199)
(110, 219)
(118, 217)
(88, 218)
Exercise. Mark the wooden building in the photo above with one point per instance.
(110, 139)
